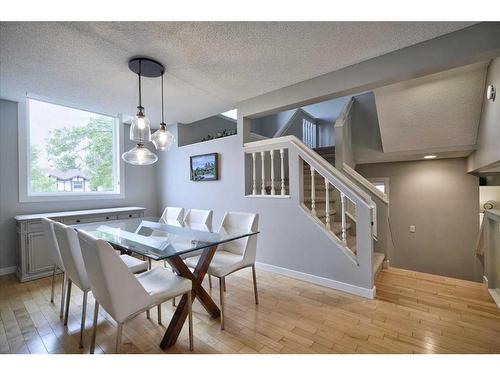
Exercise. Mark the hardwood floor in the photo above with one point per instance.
(413, 313)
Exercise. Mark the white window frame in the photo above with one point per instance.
(25, 195)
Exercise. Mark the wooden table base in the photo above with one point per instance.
(181, 313)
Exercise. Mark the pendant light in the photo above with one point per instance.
(140, 130)
(139, 155)
(162, 138)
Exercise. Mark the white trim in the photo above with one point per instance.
(24, 150)
(318, 280)
(8, 270)
(495, 294)
(268, 196)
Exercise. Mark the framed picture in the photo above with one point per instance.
(205, 167)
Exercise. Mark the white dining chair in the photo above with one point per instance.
(124, 295)
(234, 255)
(55, 257)
(195, 218)
(172, 214)
(76, 273)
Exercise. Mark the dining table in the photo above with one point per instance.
(171, 241)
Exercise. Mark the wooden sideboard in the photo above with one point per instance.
(33, 259)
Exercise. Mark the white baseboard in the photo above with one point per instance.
(7, 270)
(329, 283)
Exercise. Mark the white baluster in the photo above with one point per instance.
(282, 157)
(263, 185)
(342, 201)
(327, 205)
(273, 192)
(313, 193)
(254, 181)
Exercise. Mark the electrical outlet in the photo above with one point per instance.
(412, 228)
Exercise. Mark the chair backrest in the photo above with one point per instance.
(52, 246)
(71, 255)
(238, 222)
(113, 285)
(199, 217)
(172, 214)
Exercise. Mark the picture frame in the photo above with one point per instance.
(204, 167)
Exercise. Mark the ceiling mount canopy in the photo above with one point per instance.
(140, 131)
(146, 67)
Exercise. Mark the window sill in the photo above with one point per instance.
(69, 197)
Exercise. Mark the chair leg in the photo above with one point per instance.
(222, 281)
(84, 316)
(190, 312)
(68, 297)
(118, 345)
(53, 284)
(159, 314)
(255, 285)
(63, 294)
(94, 327)
(210, 281)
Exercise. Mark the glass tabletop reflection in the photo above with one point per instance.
(156, 239)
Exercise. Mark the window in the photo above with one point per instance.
(380, 186)
(70, 152)
(233, 114)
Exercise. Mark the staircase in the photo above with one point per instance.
(338, 201)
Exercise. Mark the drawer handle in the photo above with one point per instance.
(130, 215)
(107, 217)
(77, 220)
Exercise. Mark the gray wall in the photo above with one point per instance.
(196, 131)
(269, 125)
(288, 238)
(488, 138)
(140, 187)
(325, 112)
(442, 201)
(366, 140)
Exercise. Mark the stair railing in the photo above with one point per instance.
(297, 155)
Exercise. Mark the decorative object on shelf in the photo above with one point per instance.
(222, 134)
(204, 167)
(140, 130)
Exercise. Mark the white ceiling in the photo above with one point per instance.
(210, 66)
(436, 113)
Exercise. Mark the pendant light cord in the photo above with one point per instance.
(162, 115)
(140, 94)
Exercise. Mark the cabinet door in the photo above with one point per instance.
(38, 255)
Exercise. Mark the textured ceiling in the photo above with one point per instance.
(210, 66)
(439, 112)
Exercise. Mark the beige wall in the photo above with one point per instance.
(442, 201)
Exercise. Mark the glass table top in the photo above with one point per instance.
(156, 239)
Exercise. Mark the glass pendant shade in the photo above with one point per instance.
(162, 138)
(139, 155)
(140, 130)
